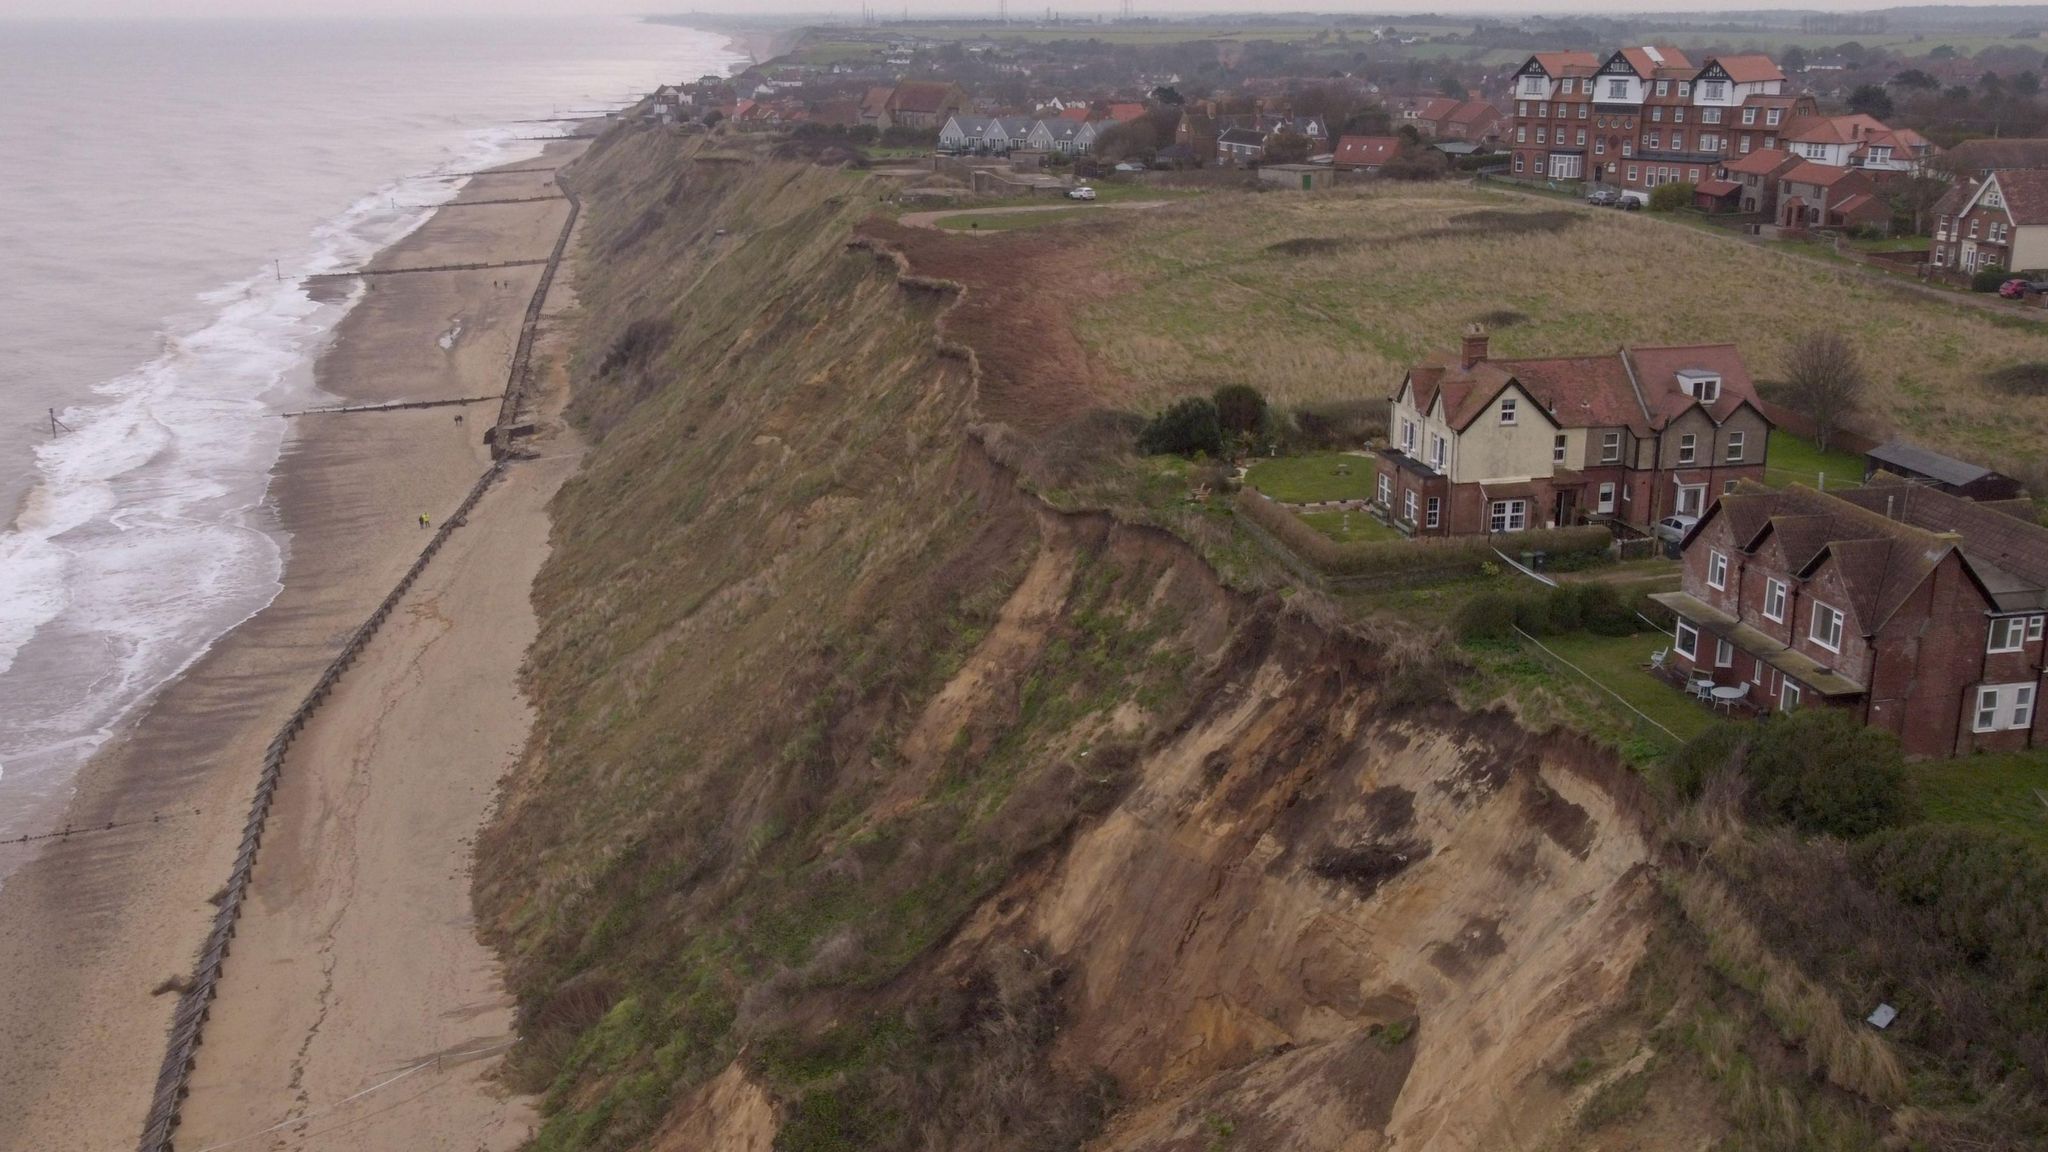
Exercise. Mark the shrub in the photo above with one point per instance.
(1703, 757)
(1240, 409)
(1186, 427)
(1602, 612)
(1487, 616)
(1988, 280)
(1566, 605)
(1671, 197)
(1339, 423)
(1532, 615)
(1821, 770)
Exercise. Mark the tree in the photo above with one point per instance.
(1286, 148)
(1871, 100)
(1368, 120)
(1187, 427)
(1137, 139)
(1450, 86)
(1793, 59)
(1824, 381)
(1915, 196)
(1671, 197)
(1916, 80)
(1167, 94)
(2027, 84)
(1240, 409)
(1941, 52)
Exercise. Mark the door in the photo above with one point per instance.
(1691, 498)
(1304, 181)
(1566, 503)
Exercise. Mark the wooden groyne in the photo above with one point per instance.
(395, 406)
(188, 1020)
(424, 268)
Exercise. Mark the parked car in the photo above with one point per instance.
(1630, 204)
(1603, 197)
(1084, 192)
(2020, 287)
(1128, 166)
(1674, 528)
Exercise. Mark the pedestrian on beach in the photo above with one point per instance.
(423, 519)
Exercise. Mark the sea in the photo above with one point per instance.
(163, 184)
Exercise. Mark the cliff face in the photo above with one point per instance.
(876, 804)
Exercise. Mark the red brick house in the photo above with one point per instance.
(1446, 119)
(1365, 153)
(1755, 178)
(1816, 195)
(1921, 611)
(1482, 445)
(1998, 221)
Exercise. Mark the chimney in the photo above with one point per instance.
(1474, 349)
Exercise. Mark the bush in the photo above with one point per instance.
(1532, 615)
(1240, 409)
(1703, 757)
(1339, 423)
(1187, 427)
(1487, 616)
(1671, 197)
(1821, 770)
(1988, 280)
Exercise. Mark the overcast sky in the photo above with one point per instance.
(847, 8)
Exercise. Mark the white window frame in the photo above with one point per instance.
(1607, 496)
(1508, 405)
(1717, 570)
(1835, 621)
(1408, 436)
(1748, 116)
(1610, 448)
(1557, 447)
(1688, 448)
(2004, 707)
(1735, 447)
(2034, 627)
(1789, 695)
(1686, 640)
(2007, 634)
(1776, 592)
(1386, 497)
(1692, 499)
(1408, 505)
(1439, 453)
(1505, 516)
(1724, 654)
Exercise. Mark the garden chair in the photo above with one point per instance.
(1657, 659)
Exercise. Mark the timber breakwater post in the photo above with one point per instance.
(188, 1020)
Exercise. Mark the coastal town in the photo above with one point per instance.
(1829, 154)
(1024, 581)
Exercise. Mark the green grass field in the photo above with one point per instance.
(1616, 663)
(1793, 460)
(2007, 791)
(1347, 527)
(1313, 478)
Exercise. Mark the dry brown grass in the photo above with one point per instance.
(1336, 296)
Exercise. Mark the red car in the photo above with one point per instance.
(2019, 288)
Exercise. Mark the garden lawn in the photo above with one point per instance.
(1313, 478)
(1349, 527)
(2001, 790)
(1793, 460)
(1616, 662)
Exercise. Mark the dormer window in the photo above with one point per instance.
(1663, 87)
(1507, 410)
(1702, 386)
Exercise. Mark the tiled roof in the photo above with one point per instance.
(1436, 109)
(2026, 194)
(1635, 388)
(1849, 129)
(2010, 554)
(1568, 63)
(1749, 68)
(1649, 60)
(922, 96)
(1125, 113)
(1822, 175)
(1657, 372)
(1241, 136)
(1979, 155)
(1718, 188)
(1763, 162)
(1367, 150)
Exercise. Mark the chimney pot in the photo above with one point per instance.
(1474, 350)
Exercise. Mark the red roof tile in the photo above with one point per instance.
(1762, 162)
(1749, 68)
(1366, 151)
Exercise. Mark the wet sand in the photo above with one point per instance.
(91, 926)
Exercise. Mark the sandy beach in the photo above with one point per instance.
(356, 955)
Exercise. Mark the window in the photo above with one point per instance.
(1543, 110)
(1542, 136)
(1710, 116)
(1826, 627)
(1677, 140)
(1656, 115)
(1583, 109)
(1687, 640)
(1717, 570)
(1408, 436)
(1386, 489)
(1557, 449)
(1521, 137)
(1582, 138)
(2034, 624)
(1693, 174)
(1607, 497)
(1745, 152)
(1568, 86)
(1678, 115)
(1688, 446)
(1507, 410)
(1617, 89)
(1521, 107)
(1735, 448)
(2002, 707)
(1713, 89)
(1599, 146)
(1788, 696)
(1770, 142)
(2008, 634)
(1709, 142)
(1628, 148)
(1656, 140)
(1518, 155)
(1749, 115)
(1724, 654)
(1773, 115)
(1438, 450)
(1692, 499)
(1610, 442)
(1685, 87)
(1509, 516)
(1663, 87)
(1774, 600)
(1435, 509)
(1727, 487)
(1408, 506)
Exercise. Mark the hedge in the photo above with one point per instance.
(1420, 559)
